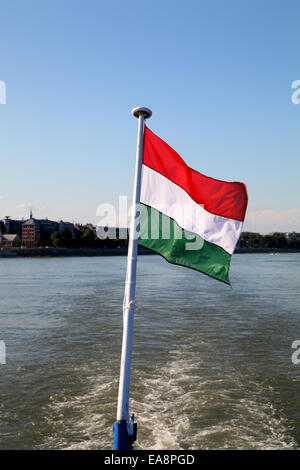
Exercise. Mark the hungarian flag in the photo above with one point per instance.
(188, 218)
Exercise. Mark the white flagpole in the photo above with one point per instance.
(129, 295)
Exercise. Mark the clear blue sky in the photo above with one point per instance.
(217, 75)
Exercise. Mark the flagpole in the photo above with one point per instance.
(124, 429)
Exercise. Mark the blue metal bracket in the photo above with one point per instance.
(125, 434)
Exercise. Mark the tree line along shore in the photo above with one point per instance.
(88, 244)
(48, 234)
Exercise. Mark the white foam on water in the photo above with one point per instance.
(83, 420)
(182, 410)
(180, 405)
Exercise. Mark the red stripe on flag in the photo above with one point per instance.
(228, 199)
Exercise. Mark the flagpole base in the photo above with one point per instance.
(124, 434)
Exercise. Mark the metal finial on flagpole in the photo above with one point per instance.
(124, 428)
(145, 111)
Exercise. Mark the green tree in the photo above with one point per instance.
(56, 239)
(87, 238)
(62, 241)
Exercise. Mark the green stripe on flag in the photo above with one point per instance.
(164, 236)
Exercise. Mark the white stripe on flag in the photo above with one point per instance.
(167, 197)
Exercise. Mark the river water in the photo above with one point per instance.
(211, 365)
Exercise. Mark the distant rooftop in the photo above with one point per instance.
(10, 237)
(31, 222)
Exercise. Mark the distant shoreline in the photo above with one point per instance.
(266, 250)
(69, 252)
(65, 252)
